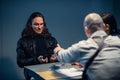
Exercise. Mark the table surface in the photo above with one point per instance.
(45, 70)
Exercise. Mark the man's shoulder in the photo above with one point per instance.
(114, 36)
(113, 40)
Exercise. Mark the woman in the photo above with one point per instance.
(36, 43)
(110, 24)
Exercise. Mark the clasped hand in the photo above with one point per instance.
(42, 60)
(53, 58)
(45, 60)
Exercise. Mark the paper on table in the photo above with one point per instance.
(70, 72)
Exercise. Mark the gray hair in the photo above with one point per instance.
(94, 22)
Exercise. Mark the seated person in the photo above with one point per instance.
(36, 43)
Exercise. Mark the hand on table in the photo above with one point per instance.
(42, 60)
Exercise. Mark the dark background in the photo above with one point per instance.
(64, 20)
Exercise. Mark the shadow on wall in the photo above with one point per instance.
(8, 71)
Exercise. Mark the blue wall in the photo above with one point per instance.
(64, 20)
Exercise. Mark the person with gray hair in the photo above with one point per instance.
(106, 63)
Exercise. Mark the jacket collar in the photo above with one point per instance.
(99, 33)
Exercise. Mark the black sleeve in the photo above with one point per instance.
(51, 44)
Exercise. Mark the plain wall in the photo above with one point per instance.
(64, 20)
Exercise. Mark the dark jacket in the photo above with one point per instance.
(28, 49)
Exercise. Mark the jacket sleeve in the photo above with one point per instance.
(51, 44)
(22, 60)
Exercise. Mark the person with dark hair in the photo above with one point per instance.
(110, 23)
(99, 54)
(36, 43)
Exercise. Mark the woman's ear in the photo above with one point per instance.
(107, 28)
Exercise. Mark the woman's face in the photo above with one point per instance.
(38, 25)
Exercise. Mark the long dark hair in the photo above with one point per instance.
(28, 31)
(109, 19)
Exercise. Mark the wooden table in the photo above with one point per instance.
(48, 71)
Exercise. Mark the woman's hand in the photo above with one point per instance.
(42, 60)
(77, 64)
(53, 58)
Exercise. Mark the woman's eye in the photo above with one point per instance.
(36, 24)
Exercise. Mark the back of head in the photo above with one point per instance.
(109, 19)
(94, 22)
